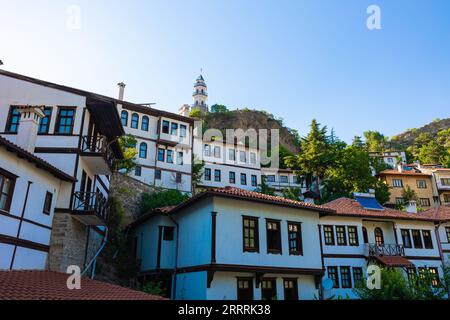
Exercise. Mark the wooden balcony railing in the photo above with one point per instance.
(93, 203)
(98, 145)
(375, 250)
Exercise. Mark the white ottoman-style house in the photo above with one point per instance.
(55, 189)
(164, 145)
(363, 232)
(233, 244)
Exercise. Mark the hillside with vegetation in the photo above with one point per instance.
(407, 138)
(222, 118)
(429, 144)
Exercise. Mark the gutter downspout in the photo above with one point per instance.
(174, 286)
(94, 258)
(441, 252)
(321, 291)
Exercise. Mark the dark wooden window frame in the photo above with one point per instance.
(276, 250)
(295, 288)
(250, 288)
(183, 131)
(404, 235)
(232, 177)
(256, 234)
(333, 270)
(48, 205)
(134, 123)
(447, 231)
(145, 123)
(343, 284)
(9, 119)
(428, 242)
(419, 186)
(124, 118)
(358, 276)
(208, 176)
(433, 271)
(217, 175)
(48, 123)
(352, 243)
(168, 233)
(143, 148)
(273, 289)
(378, 236)
(58, 119)
(330, 230)
(163, 126)
(243, 181)
(254, 180)
(13, 178)
(419, 243)
(299, 251)
(344, 233)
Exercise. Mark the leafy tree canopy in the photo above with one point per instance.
(162, 198)
(375, 141)
(219, 108)
(128, 146)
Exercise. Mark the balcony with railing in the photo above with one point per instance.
(377, 250)
(443, 185)
(91, 208)
(98, 155)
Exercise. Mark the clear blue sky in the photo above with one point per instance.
(297, 59)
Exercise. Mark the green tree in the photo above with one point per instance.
(128, 146)
(432, 153)
(161, 198)
(409, 194)
(292, 193)
(357, 142)
(375, 141)
(197, 172)
(351, 172)
(219, 108)
(264, 188)
(153, 288)
(315, 156)
(196, 113)
(394, 286)
(117, 252)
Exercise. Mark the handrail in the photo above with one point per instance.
(91, 201)
(98, 144)
(376, 250)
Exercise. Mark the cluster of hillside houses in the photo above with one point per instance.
(58, 146)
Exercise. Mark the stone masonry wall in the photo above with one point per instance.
(129, 192)
(68, 243)
(69, 236)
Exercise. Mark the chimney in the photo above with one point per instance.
(400, 167)
(28, 126)
(121, 90)
(411, 206)
(184, 110)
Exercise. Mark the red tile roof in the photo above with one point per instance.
(234, 193)
(351, 207)
(441, 213)
(252, 195)
(394, 261)
(47, 285)
(40, 163)
(404, 172)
